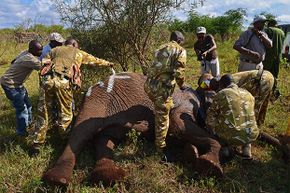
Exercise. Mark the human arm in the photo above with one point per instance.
(264, 38)
(180, 69)
(30, 61)
(198, 52)
(212, 48)
(89, 59)
(241, 43)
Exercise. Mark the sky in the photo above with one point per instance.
(16, 12)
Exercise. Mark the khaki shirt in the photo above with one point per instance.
(168, 66)
(20, 70)
(232, 116)
(81, 57)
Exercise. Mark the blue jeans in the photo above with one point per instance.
(20, 101)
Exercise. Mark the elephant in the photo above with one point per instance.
(118, 104)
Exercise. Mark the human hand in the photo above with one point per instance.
(204, 54)
(257, 32)
(111, 64)
(256, 55)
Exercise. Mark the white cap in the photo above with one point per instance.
(56, 37)
(200, 30)
(261, 18)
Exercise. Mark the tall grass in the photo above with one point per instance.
(266, 173)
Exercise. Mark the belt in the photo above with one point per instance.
(58, 75)
(249, 61)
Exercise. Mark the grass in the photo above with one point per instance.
(266, 173)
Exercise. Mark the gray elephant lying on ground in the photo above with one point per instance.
(112, 108)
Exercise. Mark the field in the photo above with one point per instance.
(267, 173)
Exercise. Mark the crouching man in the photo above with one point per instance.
(231, 116)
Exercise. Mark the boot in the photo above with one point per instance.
(246, 151)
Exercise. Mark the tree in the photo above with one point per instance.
(124, 28)
(268, 15)
(229, 23)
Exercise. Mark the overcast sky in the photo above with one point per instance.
(14, 12)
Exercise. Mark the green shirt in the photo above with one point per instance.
(275, 53)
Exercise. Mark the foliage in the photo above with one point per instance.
(266, 173)
(231, 21)
(268, 15)
(131, 23)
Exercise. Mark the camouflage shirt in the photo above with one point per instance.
(232, 116)
(66, 56)
(260, 86)
(169, 63)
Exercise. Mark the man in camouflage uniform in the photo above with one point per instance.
(259, 83)
(231, 115)
(59, 74)
(166, 71)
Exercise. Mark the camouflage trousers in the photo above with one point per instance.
(262, 96)
(237, 137)
(160, 95)
(54, 106)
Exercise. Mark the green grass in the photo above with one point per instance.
(267, 173)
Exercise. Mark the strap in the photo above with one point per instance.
(249, 39)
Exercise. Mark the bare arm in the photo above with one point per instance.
(246, 51)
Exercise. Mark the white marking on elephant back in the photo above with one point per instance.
(100, 83)
(112, 80)
(89, 92)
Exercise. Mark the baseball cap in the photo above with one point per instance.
(56, 37)
(261, 18)
(200, 30)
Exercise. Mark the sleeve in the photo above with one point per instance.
(31, 62)
(180, 68)
(212, 113)
(267, 38)
(243, 39)
(90, 59)
(46, 59)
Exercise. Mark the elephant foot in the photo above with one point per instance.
(207, 167)
(60, 174)
(107, 172)
(285, 146)
(190, 153)
(140, 126)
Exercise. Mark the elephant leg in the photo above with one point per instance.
(285, 146)
(141, 126)
(61, 173)
(207, 164)
(190, 153)
(208, 161)
(105, 169)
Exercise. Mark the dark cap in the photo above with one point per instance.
(177, 36)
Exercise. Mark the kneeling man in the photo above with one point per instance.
(232, 116)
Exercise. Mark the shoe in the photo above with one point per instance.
(226, 154)
(247, 152)
(34, 150)
(167, 156)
